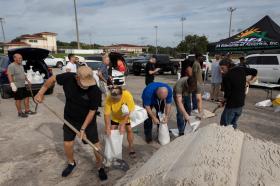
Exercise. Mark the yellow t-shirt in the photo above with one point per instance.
(114, 108)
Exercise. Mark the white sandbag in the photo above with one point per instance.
(192, 125)
(113, 146)
(265, 103)
(206, 96)
(163, 134)
(138, 116)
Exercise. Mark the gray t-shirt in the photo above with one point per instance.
(181, 88)
(18, 74)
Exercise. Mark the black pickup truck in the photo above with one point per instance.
(163, 62)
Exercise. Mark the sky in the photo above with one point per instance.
(132, 21)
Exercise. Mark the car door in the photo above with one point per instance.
(253, 63)
(270, 66)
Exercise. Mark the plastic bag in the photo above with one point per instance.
(192, 125)
(113, 145)
(265, 103)
(206, 96)
(138, 116)
(163, 134)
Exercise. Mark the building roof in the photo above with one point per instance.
(31, 36)
(46, 33)
(17, 43)
(125, 45)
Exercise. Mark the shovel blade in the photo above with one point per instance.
(119, 164)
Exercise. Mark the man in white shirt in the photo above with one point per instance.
(71, 65)
(216, 78)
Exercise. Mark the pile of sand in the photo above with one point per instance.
(213, 155)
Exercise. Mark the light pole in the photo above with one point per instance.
(183, 19)
(231, 10)
(77, 27)
(156, 27)
(2, 20)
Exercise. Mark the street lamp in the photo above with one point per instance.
(77, 27)
(183, 19)
(2, 20)
(231, 10)
(156, 27)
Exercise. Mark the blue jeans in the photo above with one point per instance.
(180, 116)
(194, 101)
(230, 116)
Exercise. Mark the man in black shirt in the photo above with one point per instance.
(150, 71)
(234, 84)
(82, 100)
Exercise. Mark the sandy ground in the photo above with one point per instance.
(213, 155)
(32, 149)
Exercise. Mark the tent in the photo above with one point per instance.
(264, 35)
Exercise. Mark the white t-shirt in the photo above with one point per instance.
(71, 66)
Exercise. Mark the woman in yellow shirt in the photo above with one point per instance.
(118, 105)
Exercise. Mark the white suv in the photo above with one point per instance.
(54, 62)
(206, 69)
(268, 66)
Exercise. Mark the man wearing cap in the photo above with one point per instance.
(82, 100)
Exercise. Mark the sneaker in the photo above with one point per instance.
(30, 112)
(22, 115)
(68, 169)
(102, 174)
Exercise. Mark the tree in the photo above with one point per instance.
(193, 44)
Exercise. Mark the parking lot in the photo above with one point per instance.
(32, 149)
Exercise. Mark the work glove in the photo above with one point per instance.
(13, 86)
(125, 110)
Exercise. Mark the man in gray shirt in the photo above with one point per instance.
(182, 91)
(216, 78)
(17, 80)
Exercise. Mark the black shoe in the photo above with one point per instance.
(102, 174)
(68, 169)
(148, 139)
(30, 112)
(22, 115)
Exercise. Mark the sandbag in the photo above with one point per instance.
(113, 146)
(265, 103)
(163, 134)
(138, 116)
(192, 125)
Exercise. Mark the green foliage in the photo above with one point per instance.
(73, 45)
(193, 44)
(162, 50)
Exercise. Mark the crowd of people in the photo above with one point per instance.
(84, 97)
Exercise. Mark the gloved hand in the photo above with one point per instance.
(125, 110)
(13, 86)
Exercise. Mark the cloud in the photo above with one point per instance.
(126, 21)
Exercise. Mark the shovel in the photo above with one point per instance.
(32, 95)
(115, 162)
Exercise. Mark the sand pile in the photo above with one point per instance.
(213, 155)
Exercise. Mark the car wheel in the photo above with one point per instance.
(174, 70)
(59, 64)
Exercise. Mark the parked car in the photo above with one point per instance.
(206, 68)
(129, 61)
(268, 66)
(51, 61)
(163, 62)
(32, 57)
(94, 58)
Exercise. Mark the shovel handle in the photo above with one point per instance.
(76, 131)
